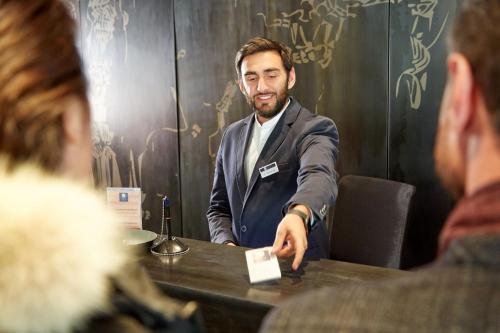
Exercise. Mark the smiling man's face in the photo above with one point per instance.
(265, 83)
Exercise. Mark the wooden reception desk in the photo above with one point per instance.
(216, 276)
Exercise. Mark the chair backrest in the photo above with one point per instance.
(370, 219)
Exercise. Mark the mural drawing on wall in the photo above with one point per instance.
(196, 129)
(415, 76)
(221, 108)
(101, 16)
(316, 27)
(312, 29)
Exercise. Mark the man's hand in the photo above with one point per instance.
(291, 237)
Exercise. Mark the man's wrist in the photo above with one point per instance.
(296, 210)
(228, 241)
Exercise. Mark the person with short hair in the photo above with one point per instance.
(460, 291)
(275, 172)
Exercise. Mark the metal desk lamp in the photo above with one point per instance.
(167, 245)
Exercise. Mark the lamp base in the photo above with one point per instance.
(169, 246)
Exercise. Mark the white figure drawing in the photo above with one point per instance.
(416, 76)
(221, 108)
(327, 19)
(102, 16)
(331, 15)
(106, 170)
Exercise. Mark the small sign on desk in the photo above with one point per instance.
(262, 265)
(126, 202)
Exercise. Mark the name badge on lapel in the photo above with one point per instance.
(268, 170)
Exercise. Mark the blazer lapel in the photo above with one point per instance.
(243, 139)
(274, 141)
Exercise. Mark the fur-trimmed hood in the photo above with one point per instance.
(59, 245)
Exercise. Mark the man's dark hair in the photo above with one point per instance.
(261, 44)
(476, 35)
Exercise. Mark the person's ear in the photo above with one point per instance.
(461, 91)
(291, 78)
(75, 123)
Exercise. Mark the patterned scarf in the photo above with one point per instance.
(477, 214)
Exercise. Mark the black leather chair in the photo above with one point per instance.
(370, 219)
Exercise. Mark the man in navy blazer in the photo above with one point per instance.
(275, 170)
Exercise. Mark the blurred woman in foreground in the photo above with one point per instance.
(63, 267)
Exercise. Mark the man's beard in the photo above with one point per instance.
(449, 176)
(268, 114)
(281, 99)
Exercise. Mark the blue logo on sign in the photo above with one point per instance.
(123, 197)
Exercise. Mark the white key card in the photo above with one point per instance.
(262, 265)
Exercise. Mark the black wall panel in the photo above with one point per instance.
(340, 51)
(207, 37)
(329, 44)
(164, 88)
(418, 52)
(130, 60)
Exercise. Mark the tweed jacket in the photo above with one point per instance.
(459, 293)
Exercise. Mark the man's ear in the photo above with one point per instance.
(291, 78)
(74, 121)
(461, 91)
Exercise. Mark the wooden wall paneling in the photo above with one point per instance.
(164, 87)
(417, 77)
(208, 34)
(340, 52)
(129, 56)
